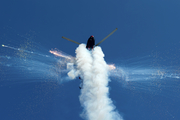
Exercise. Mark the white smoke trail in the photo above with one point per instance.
(94, 96)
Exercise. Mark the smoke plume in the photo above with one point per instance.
(93, 70)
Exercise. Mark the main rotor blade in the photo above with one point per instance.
(70, 40)
(106, 37)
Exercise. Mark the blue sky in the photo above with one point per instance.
(144, 28)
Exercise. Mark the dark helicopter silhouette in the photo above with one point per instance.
(91, 41)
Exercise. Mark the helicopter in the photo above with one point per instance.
(91, 41)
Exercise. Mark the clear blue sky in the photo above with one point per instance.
(145, 27)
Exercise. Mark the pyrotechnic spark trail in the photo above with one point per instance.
(19, 49)
(60, 54)
(35, 64)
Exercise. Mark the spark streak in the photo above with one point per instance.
(19, 49)
(60, 54)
